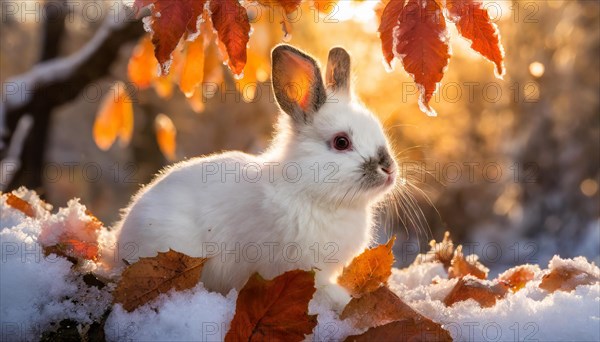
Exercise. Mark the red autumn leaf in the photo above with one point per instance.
(422, 46)
(274, 310)
(288, 6)
(390, 20)
(139, 4)
(474, 23)
(230, 20)
(482, 292)
(169, 22)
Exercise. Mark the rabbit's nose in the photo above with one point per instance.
(388, 169)
(386, 163)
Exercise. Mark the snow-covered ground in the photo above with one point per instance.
(38, 291)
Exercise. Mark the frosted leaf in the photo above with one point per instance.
(388, 67)
(423, 106)
(193, 36)
(166, 67)
(148, 24)
(238, 76)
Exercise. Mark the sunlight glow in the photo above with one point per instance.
(362, 12)
(536, 69)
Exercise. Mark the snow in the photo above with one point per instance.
(190, 315)
(529, 314)
(38, 291)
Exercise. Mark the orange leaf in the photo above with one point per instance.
(474, 23)
(230, 20)
(390, 20)
(75, 241)
(517, 277)
(566, 278)
(377, 308)
(142, 68)
(166, 135)
(115, 118)
(422, 46)
(213, 67)
(192, 71)
(197, 101)
(81, 249)
(461, 267)
(163, 86)
(20, 204)
(170, 21)
(368, 271)
(274, 310)
(408, 329)
(146, 279)
(472, 288)
(325, 6)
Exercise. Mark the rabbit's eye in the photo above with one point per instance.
(342, 143)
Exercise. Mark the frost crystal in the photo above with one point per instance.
(148, 24)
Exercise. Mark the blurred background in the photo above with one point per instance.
(509, 166)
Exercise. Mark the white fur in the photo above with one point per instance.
(331, 222)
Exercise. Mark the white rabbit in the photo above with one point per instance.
(306, 203)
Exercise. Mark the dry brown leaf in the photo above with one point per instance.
(517, 277)
(443, 251)
(377, 308)
(274, 310)
(566, 278)
(461, 267)
(409, 329)
(166, 135)
(20, 204)
(146, 279)
(115, 118)
(368, 271)
(470, 287)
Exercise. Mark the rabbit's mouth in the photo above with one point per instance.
(380, 181)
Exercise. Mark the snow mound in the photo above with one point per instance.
(38, 291)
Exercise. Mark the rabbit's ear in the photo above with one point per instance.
(337, 76)
(297, 83)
